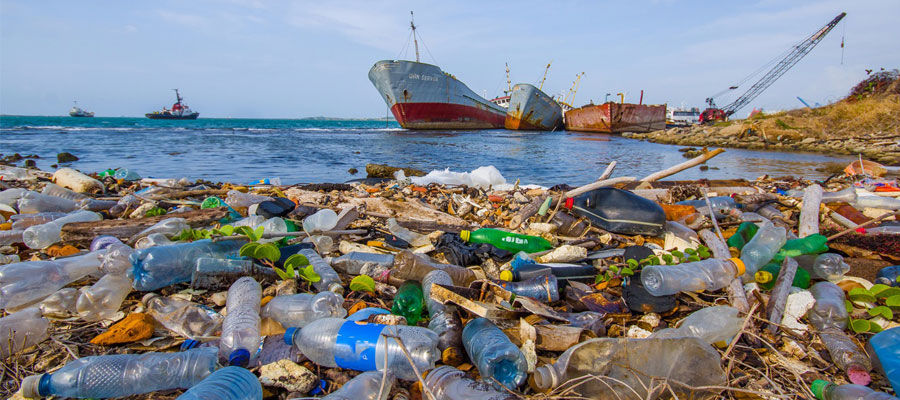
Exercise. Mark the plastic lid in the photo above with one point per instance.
(30, 386)
(740, 266)
(763, 276)
(506, 276)
(465, 235)
(818, 387)
(289, 335)
(239, 357)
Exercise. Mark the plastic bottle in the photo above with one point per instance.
(829, 310)
(188, 319)
(34, 202)
(11, 236)
(240, 330)
(103, 299)
(414, 239)
(9, 259)
(25, 282)
(885, 350)
(126, 174)
(717, 324)
(771, 213)
(679, 236)
(846, 355)
(619, 211)
(743, 235)
(824, 390)
(409, 266)
(161, 266)
(334, 342)
(710, 274)
(828, 266)
(298, 310)
(21, 330)
(365, 313)
(330, 280)
(365, 386)
(543, 288)
(41, 236)
(685, 359)
(23, 221)
(152, 240)
(721, 205)
(127, 202)
(215, 273)
(448, 383)
(115, 259)
(812, 244)
(768, 274)
(273, 225)
(104, 241)
(884, 203)
(96, 205)
(52, 189)
(60, 304)
(323, 220)
(499, 361)
(352, 263)
(883, 230)
(167, 227)
(508, 241)
(444, 320)
(123, 375)
(11, 196)
(562, 272)
(238, 199)
(847, 195)
(409, 302)
(888, 276)
(760, 250)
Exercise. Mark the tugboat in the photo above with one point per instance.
(78, 112)
(179, 111)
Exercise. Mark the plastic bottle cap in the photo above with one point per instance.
(239, 357)
(289, 335)
(189, 344)
(31, 385)
(763, 276)
(740, 266)
(818, 387)
(570, 202)
(465, 235)
(506, 276)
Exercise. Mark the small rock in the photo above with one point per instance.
(636, 332)
(808, 141)
(65, 157)
(352, 171)
(288, 375)
(219, 298)
(30, 164)
(519, 197)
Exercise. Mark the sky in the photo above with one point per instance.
(292, 59)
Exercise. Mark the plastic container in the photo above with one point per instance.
(543, 288)
(885, 350)
(330, 280)
(352, 263)
(884, 203)
(60, 304)
(499, 361)
(710, 274)
(847, 356)
(34, 202)
(847, 195)
(115, 259)
(127, 202)
(22, 330)
(26, 282)
(123, 375)
(824, 390)
(414, 239)
(126, 174)
(52, 189)
(41, 236)
(298, 310)
(238, 199)
(9, 259)
(679, 236)
(410, 266)
(23, 221)
(334, 342)
(743, 235)
(826, 266)
(365, 386)
(619, 211)
(760, 250)
(188, 319)
(240, 330)
(829, 310)
(768, 274)
(103, 241)
(448, 383)
(103, 299)
(10, 196)
(11, 236)
(509, 241)
(365, 313)
(883, 230)
(323, 220)
(444, 320)
(161, 266)
(812, 244)
(889, 276)
(96, 205)
(562, 272)
(717, 324)
(216, 273)
(77, 181)
(722, 206)
(409, 302)
(152, 240)
(167, 227)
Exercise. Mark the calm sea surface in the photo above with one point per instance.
(302, 151)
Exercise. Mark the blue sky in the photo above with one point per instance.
(289, 59)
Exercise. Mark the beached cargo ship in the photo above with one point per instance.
(617, 118)
(533, 110)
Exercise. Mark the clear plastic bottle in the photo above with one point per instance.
(444, 320)
(126, 174)
(41, 236)
(104, 241)
(60, 304)
(152, 240)
(26, 282)
(352, 263)
(448, 383)
(414, 239)
(23, 221)
(829, 310)
(52, 189)
(762, 248)
(824, 390)
(168, 227)
(127, 202)
(11, 196)
(123, 375)
(239, 199)
(826, 266)
(883, 230)
(96, 205)
(215, 273)
(334, 342)
(229, 383)
(185, 318)
(847, 195)
(846, 355)
(885, 350)
(884, 203)
(161, 266)
(9, 259)
(543, 288)
(712, 324)
(498, 360)
(22, 330)
(721, 205)
(330, 280)
(11, 236)
(323, 220)
(103, 299)
(710, 274)
(409, 266)
(365, 386)
(34, 202)
(115, 259)
(298, 310)
(240, 330)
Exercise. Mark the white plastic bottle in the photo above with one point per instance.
(710, 274)
(330, 279)
(240, 330)
(103, 299)
(41, 236)
(300, 309)
(22, 330)
(323, 220)
(760, 250)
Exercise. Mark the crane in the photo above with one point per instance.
(566, 100)
(544, 78)
(795, 54)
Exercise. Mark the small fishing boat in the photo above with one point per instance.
(179, 110)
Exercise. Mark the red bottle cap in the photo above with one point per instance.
(570, 202)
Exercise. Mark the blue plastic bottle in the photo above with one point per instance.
(496, 357)
(229, 383)
(886, 349)
(161, 266)
(889, 276)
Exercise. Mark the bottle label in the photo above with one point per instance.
(355, 345)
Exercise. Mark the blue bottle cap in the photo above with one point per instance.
(239, 357)
(318, 389)
(289, 335)
(189, 344)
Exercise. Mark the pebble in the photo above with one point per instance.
(288, 375)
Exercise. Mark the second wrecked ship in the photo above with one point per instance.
(616, 118)
(532, 109)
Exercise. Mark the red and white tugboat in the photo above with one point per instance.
(179, 111)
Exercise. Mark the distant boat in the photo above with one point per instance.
(179, 111)
(616, 118)
(79, 112)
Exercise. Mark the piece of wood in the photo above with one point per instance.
(609, 170)
(683, 166)
(347, 215)
(736, 296)
(82, 233)
(863, 225)
(197, 193)
(526, 212)
(779, 294)
(442, 295)
(429, 226)
(809, 211)
(597, 185)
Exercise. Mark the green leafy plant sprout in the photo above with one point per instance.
(362, 283)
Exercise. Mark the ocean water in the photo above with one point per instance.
(312, 151)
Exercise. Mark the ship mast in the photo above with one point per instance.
(177, 96)
(412, 24)
(541, 87)
(508, 82)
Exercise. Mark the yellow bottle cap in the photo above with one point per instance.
(464, 234)
(740, 266)
(763, 276)
(506, 276)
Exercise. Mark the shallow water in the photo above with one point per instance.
(299, 151)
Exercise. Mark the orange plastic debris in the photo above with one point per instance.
(373, 190)
(675, 212)
(134, 327)
(419, 189)
(5, 226)
(61, 251)
(495, 198)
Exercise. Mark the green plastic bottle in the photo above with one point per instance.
(743, 235)
(812, 244)
(512, 242)
(409, 302)
(767, 275)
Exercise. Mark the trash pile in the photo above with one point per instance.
(448, 286)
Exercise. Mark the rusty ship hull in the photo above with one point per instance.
(421, 96)
(532, 110)
(616, 118)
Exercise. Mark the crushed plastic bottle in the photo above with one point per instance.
(214, 273)
(410, 266)
(760, 250)
(161, 266)
(722, 206)
(298, 310)
(34, 202)
(846, 355)
(121, 375)
(21, 330)
(449, 383)
(152, 240)
(365, 386)
(188, 319)
(710, 274)
(60, 304)
(238, 199)
(353, 263)
(167, 227)
(444, 320)
(334, 342)
(330, 280)
(240, 329)
(717, 324)
(41, 236)
(829, 310)
(508, 241)
(543, 287)
(826, 266)
(103, 299)
(23, 221)
(498, 360)
(824, 390)
(414, 239)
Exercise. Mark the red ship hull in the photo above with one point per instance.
(617, 118)
(445, 116)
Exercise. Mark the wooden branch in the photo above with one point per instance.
(809, 211)
(527, 211)
(83, 233)
(597, 185)
(863, 225)
(608, 171)
(683, 166)
(778, 296)
(735, 289)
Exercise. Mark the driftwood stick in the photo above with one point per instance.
(598, 184)
(779, 294)
(608, 171)
(735, 289)
(683, 166)
(863, 225)
(527, 211)
(809, 211)
(85, 232)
